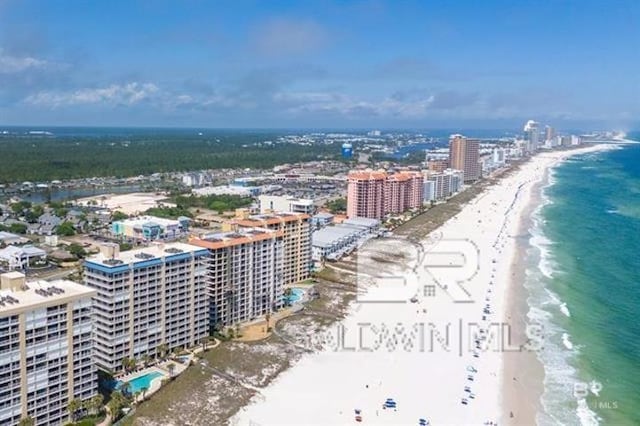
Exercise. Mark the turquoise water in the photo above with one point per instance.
(141, 382)
(296, 295)
(584, 280)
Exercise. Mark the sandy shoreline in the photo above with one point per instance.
(430, 354)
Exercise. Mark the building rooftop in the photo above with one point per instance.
(36, 294)
(154, 251)
(323, 215)
(216, 240)
(330, 235)
(270, 219)
(12, 251)
(361, 221)
(145, 220)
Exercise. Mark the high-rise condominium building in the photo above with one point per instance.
(549, 133)
(46, 354)
(296, 239)
(532, 133)
(146, 298)
(464, 154)
(403, 191)
(365, 194)
(373, 194)
(244, 273)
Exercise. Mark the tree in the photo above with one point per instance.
(146, 360)
(118, 215)
(65, 229)
(26, 421)
(171, 367)
(125, 388)
(116, 404)
(162, 350)
(77, 250)
(95, 404)
(338, 205)
(73, 407)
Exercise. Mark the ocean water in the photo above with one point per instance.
(583, 277)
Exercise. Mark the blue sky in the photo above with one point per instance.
(418, 64)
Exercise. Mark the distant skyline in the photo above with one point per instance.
(321, 64)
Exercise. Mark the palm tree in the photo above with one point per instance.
(125, 388)
(125, 364)
(171, 368)
(204, 341)
(73, 406)
(143, 391)
(163, 349)
(26, 421)
(96, 403)
(146, 360)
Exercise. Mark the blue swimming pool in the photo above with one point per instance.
(140, 382)
(295, 296)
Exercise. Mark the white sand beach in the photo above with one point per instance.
(392, 347)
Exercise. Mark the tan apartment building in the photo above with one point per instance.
(244, 274)
(464, 154)
(46, 349)
(296, 238)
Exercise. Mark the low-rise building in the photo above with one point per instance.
(46, 349)
(320, 220)
(151, 228)
(332, 242)
(282, 203)
(9, 239)
(14, 257)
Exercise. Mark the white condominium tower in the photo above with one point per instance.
(46, 356)
(146, 298)
(245, 278)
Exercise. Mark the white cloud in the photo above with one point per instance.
(10, 64)
(126, 94)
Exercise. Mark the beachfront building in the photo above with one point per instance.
(365, 194)
(296, 239)
(440, 186)
(21, 257)
(464, 154)
(244, 274)
(46, 349)
(532, 134)
(333, 242)
(437, 165)
(147, 298)
(150, 228)
(282, 203)
(376, 194)
(403, 191)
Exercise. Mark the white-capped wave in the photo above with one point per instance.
(565, 310)
(566, 342)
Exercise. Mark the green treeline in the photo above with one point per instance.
(24, 158)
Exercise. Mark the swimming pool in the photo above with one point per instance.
(144, 381)
(295, 296)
